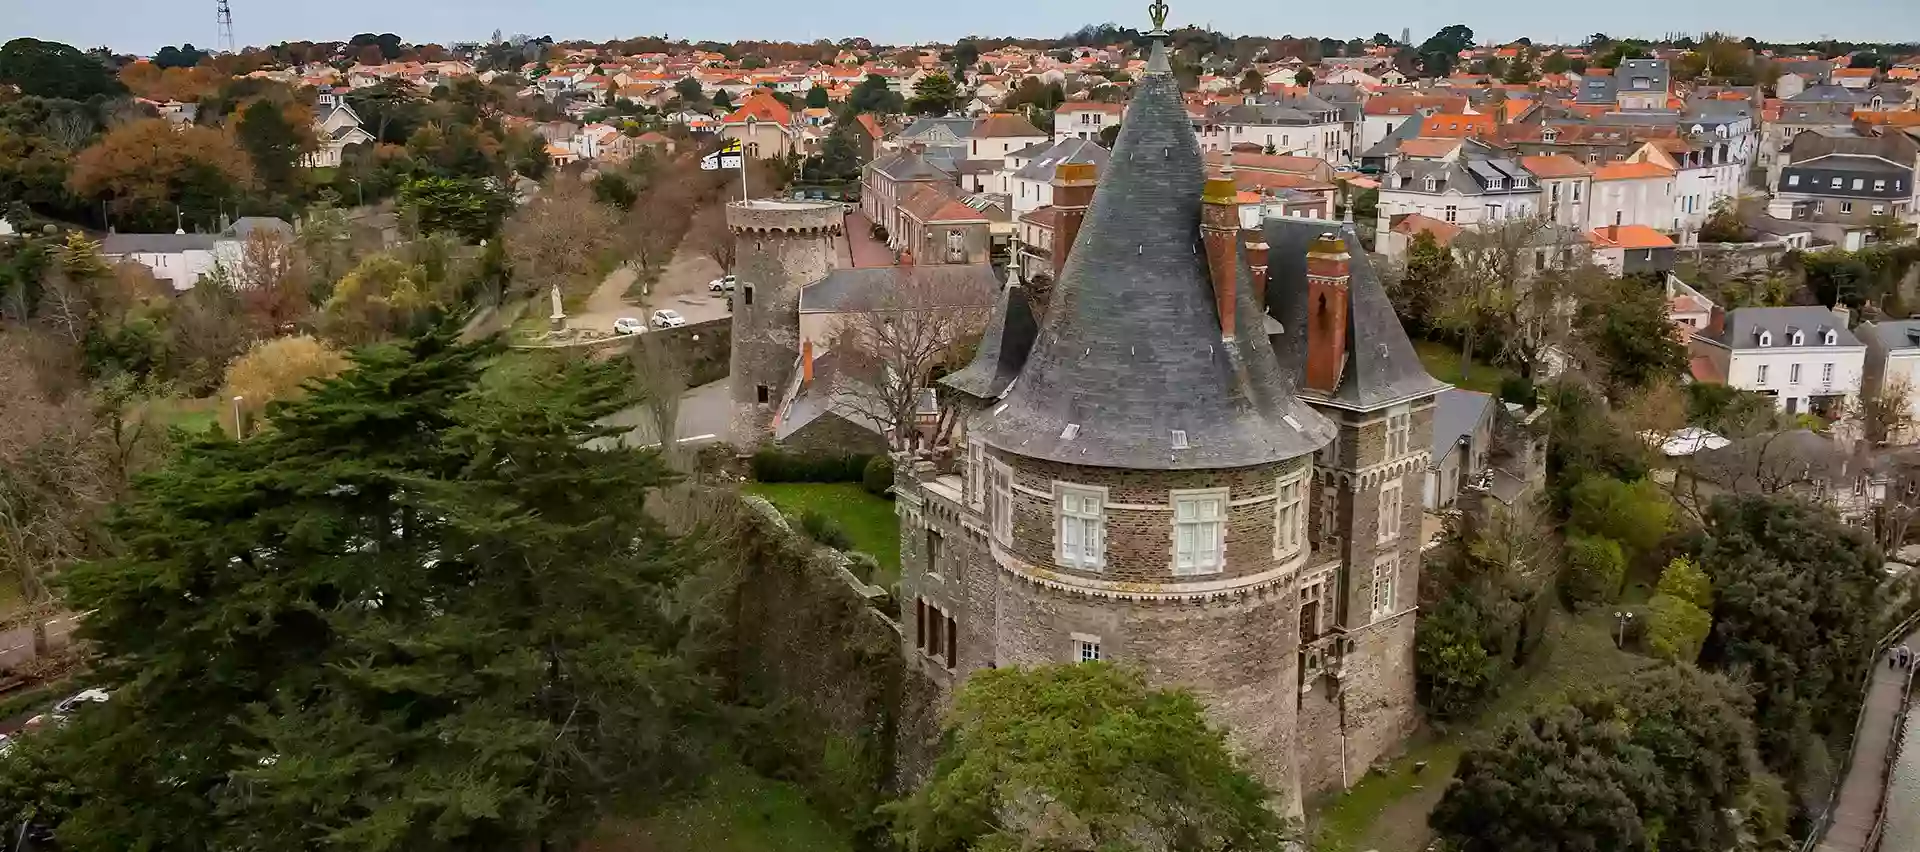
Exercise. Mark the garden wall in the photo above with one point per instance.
(816, 648)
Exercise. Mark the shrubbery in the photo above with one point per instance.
(773, 465)
(823, 528)
(879, 475)
(1595, 569)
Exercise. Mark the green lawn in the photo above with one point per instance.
(738, 812)
(869, 520)
(1388, 811)
(1443, 361)
(193, 415)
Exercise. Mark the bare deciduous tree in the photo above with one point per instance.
(559, 239)
(711, 237)
(272, 279)
(888, 349)
(53, 481)
(1519, 278)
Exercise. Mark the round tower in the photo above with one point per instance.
(779, 247)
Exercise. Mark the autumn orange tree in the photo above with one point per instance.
(143, 169)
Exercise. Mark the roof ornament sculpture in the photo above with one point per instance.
(1158, 11)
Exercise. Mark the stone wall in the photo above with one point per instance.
(833, 435)
(808, 639)
(703, 350)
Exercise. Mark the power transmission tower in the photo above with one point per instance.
(226, 27)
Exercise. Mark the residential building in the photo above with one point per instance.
(1851, 191)
(1085, 119)
(767, 129)
(1641, 84)
(999, 134)
(942, 224)
(1301, 126)
(1113, 493)
(1631, 193)
(336, 128)
(1462, 437)
(1631, 249)
(1565, 187)
(1805, 358)
(1893, 369)
(1030, 187)
(1382, 114)
(890, 178)
(1794, 119)
(182, 259)
(1459, 193)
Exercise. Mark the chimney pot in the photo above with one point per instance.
(1073, 185)
(806, 361)
(1329, 275)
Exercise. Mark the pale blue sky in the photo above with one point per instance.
(142, 26)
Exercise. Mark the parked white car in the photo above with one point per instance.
(629, 325)
(668, 319)
(721, 285)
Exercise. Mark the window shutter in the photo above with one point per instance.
(953, 643)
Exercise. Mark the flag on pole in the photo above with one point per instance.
(728, 157)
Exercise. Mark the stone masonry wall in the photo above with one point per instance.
(779, 248)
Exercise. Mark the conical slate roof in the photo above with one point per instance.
(1130, 369)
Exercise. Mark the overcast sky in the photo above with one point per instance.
(143, 26)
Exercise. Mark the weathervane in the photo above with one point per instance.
(1158, 11)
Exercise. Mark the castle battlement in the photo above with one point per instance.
(779, 216)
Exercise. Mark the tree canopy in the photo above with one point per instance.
(50, 69)
(420, 612)
(935, 94)
(145, 169)
(1084, 756)
(1653, 762)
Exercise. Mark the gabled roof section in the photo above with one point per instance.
(1003, 348)
(1002, 125)
(1382, 368)
(1132, 350)
(761, 105)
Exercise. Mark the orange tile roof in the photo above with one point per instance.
(1628, 237)
(1004, 124)
(1554, 166)
(1854, 72)
(1428, 148)
(1455, 125)
(1414, 224)
(1631, 171)
(872, 125)
(1889, 119)
(761, 106)
(1270, 163)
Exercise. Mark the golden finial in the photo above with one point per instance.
(1158, 11)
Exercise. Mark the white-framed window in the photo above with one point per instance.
(1453, 213)
(1879, 209)
(976, 474)
(1433, 184)
(1880, 185)
(1290, 515)
(1846, 207)
(1385, 574)
(1799, 339)
(1837, 183)
(1793, 374)
(1081, 531)
(1793, 180)
(1859, 183)
(1399, 432)
(1826, 374)
(1199, 532)
(1760, 372)
(1000, 503)
(1832, 337)
(1391, 508)
(1086, 648)
(1766, 338)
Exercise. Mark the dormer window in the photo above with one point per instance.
(1496, 183)
(1799, 339)
(1519, 181)
(1549, 135)
(1766, 339)
(1432, 184)
(1832, 338)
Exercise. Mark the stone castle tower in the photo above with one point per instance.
(1201, 456)
(780, 247)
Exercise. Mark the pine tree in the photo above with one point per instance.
(421, 611)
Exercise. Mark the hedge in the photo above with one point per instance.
(772, 465)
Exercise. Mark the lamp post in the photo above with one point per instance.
(360, 191)
(239, 426)
(1622, 618)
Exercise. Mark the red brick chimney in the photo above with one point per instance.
(1072, 191)
(1328, 274)
(806, 361)
(1220, 231)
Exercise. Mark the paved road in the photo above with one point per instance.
(682, 287)
(705, 414)
(1860, 793)
(865, 250)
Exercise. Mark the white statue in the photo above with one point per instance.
(559, 314)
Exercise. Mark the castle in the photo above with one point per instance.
(1197, 448)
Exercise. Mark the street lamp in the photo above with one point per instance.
(239, 426)
(1622, 618)
(359, 190)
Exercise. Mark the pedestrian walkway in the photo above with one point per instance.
(866, 250)
(1858, 805)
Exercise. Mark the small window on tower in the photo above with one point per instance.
(761, 393)
(748, 293)
(1086, 648)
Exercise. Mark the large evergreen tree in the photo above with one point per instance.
(419, 611)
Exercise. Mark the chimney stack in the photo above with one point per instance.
(806, 361)
(1073, 185)
(1220, 231)
(1256, 243)
(1328, 277)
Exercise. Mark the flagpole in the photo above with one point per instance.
(743, 174)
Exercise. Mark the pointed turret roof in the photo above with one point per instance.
(1003, 348)
(1131, 369)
